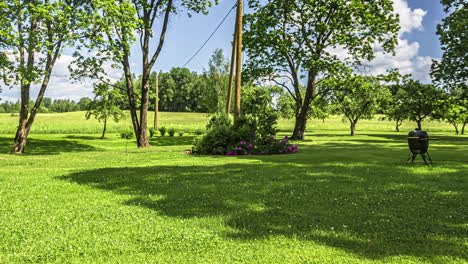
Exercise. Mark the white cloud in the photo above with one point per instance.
(406, 54)
(61, 85)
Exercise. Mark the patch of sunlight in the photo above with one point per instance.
(449, 193)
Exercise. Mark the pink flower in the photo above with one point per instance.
(235, 154)
(229, 154)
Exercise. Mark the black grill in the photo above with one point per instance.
(418, 142)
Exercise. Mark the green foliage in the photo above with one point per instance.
(152, 132)
(357, 97)
(450, 72)
(181, 133)
(453, 110)
(215, 81)
(163, 131)
(199, 132)
(421, 101)
(288, 42)
(256, 126)
(105, 105)
(127, 134)
(171, 132)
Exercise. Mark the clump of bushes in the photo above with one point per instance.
(198, 132)
(127, 134)
(181, 134)
(252, 134)
(171, 132)
(163, 131)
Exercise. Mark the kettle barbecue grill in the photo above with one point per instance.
(418, 142)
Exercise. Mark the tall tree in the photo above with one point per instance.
(289, 41)
(451, 72)
(38, 31)
(105, 105)
(216, 80)
(358, 97)
(114, 25)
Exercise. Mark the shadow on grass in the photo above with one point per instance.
(47, 147)
(375, 210)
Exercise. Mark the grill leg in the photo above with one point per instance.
(414, 157)
(424, 158)
(429, 157)
(409, 157)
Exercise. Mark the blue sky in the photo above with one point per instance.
(418, 46)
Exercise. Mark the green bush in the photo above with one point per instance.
(152, 132)
(198, 132)
(171, 132)
(253, 132)
(127, 134)
(162, 130)
(181, 134)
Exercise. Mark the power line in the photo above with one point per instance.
(212, 34)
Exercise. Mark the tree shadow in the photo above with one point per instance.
(372, 210)
(47, 147)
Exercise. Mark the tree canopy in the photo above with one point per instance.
(290, 41)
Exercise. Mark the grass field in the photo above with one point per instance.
(74, 198)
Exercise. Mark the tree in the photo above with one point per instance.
(36, 31)
(421, 100)
(358, 97)
(454, 110)
(396, 107)
(288, 41)
(216, 79)
(114, 23)
(451, 71)
(105, 105)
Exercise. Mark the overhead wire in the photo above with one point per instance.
(212, 34)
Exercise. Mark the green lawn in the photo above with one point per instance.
(77, 199)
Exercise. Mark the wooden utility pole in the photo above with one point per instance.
(231, 74)
(156, 103)
(238, 60)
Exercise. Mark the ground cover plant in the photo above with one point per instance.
(76, 198)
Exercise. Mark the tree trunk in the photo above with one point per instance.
(419, 123)
(145, 86)
(300, 126)
(463, 129)
(455, 125)
(397, 127)
(353, 128)
(156, 103)
(302, 110)
(104, 129)
(21, 133)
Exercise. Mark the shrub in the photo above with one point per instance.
(152, 132)
(171, 132)
(181, 134)
(198, 132)
(216, 141)
(162, 130)
(127, 134)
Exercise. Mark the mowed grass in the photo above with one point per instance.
(74, 198)
(76, 123)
